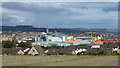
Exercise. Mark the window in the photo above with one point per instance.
(33, 50)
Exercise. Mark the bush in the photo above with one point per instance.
(70, 53)
(81, 53)
(108, 53)
(8, 44)
(103, 53)
(36, 55)
(25, 44)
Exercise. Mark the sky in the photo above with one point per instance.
(61, 14)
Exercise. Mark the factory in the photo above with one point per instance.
(61, 39)
(57, 38)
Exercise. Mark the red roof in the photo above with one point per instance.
(108, 40)
(111, 40)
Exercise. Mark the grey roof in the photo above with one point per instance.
(109, 45)
(11, 51)
(105, 49)
(39, 49)
(52, 51)
(71, 48)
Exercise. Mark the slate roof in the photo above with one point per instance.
(39, 49)
(52, 51)
(11, 51)
(109, 46)
(65, 50)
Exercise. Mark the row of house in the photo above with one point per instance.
(36, 49)
(75, 49)
(82, 49)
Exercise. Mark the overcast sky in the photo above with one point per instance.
(61, 14)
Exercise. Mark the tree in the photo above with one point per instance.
(55, 46)
(25, 44)
(28, 44)
(70, 53)
(21, 44)
(8, 44)
(16, 42)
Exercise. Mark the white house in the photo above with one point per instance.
(80, 50)
(116, 50)
(20, 52)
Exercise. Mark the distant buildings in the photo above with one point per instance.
(74, 49)
(62, 39)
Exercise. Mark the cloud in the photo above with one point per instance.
(61, 14)
(60, 1)
(18, 18)
(35, 8)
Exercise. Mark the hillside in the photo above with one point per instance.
(26, 28)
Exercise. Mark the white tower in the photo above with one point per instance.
(47, 30)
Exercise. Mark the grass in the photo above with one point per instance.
(59, 60)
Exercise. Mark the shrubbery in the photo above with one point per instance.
(10, 44)
(103, 53)
(70, 53)
(25, 44)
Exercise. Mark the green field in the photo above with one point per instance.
(59, 60)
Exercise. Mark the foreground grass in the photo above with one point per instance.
(59, 60)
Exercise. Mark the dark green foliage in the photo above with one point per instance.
(22, 44)
(103, 53)
(55, 46)
(28, 44)
(52, 47)
(110, 53)
(81, 53)
(70, 53)
(25, 44)
(8, 44)
(15, 41)
(43, 47)
(36, 55)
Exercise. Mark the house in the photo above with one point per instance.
(92, 50)
(52, 52)
(66, 50)
(26, 51)
(80, 50)
(117, 50)
(10, 51)
(13, 51)
(20, 52)
(23, 51)
(60, 51)
(108, 47)
(36, 49)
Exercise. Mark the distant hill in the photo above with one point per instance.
(26, 28)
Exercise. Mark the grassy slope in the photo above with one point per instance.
(60, 60)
